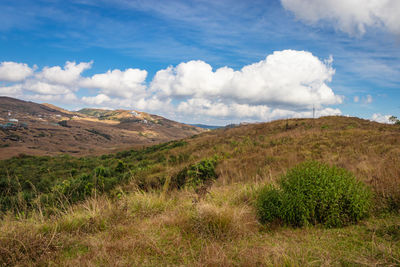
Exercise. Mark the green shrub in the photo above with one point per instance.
(121, 167)
(312, 193)
(196, 174)
(269, 203)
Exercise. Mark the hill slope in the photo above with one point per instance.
(144, 218)
(48, 130)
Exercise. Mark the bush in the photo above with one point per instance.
(269, 203)
(312, 193)
(196, 174)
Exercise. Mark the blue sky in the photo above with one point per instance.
(170, 57)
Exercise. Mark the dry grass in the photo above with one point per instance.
(220, 230)
(261, 152)
(168, 227)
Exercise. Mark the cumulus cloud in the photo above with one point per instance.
(214, 109)
(127, 84)
(350, 16)
(45, 88)
(381, 118)
(58, 83)
(96, 100)
(285, 84)
(286, 77)
(70, 75)
(68, 97)
(12, 90)
(14, 72)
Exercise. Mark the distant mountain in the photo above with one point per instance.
(44, 129)
(210, 127)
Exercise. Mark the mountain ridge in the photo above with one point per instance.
(45, 129)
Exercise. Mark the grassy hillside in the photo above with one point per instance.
(132, 208)
(103, 114)
(47, 130)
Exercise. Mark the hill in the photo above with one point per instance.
(45, 129)
(211, 127)
(145, 206)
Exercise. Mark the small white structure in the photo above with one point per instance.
(134, 113)
(13, 120)
(144, 121)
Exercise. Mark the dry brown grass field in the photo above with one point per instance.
(155, 224)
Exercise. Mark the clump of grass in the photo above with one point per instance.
(24, 243)
(313, 193)
(390, 232)
(142, 204)
(212, 222)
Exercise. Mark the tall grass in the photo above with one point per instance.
(143, 219)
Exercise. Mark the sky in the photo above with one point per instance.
(203, 61)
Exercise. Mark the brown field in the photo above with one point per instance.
(218, 227)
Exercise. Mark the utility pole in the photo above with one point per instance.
(313, 111)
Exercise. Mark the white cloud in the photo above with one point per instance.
(381, 118)
(364, 99)
(350, 16)
(153, 103)
(285, 84)
(284, 78)
(11, 91)
(14, 72)
(49, 84)
(115, 86)
(210, 108)
(40, 87)
(96, 100)
(70, 75)
(67, 98)
(368, 99)
(125, 84)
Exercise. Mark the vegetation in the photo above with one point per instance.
(312, 193)
(63, 123)
(93, 131)
(196, 174)
(104, 114)
(46, 183)
(128, 208)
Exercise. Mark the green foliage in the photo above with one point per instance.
(312, 193)
(28, 182)
(269, 203)
(93, 131)
(196, 174)
(120, 167)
